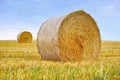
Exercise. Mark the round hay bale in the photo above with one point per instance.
(73, 37)
(24, 37)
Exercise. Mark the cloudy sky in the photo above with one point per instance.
(20, 15)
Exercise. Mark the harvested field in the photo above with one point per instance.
(22, 61)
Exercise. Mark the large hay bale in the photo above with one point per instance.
(24, 37)
(73, 37)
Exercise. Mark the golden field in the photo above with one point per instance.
(21, 61)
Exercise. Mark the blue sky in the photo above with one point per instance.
(20, 15)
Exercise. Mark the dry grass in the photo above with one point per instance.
(22, 61)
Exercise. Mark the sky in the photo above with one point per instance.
(21, 15)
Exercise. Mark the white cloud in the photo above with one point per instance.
(10, 31)
(111, 9)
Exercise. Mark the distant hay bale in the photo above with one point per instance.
(24, 37)
(73, 37)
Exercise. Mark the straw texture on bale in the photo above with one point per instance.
(24, 37)
(73, 37)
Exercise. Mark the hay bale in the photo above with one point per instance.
(24, 37)
(73, 37)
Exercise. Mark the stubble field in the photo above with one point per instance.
(21, 61)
